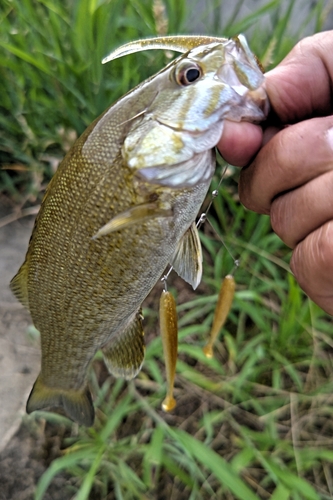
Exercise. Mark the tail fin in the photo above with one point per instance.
(77, 404)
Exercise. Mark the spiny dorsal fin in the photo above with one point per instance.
(19, 285)
(178, 43)
(187, 259)
(124, 355)
(77, 404)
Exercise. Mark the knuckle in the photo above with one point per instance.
(269, 173)
(322, 249)
(279, 219)
(245, 188)
(250, 193)
(281, 149)
(313, 257)
(312, 265)
(297, 265)
(278, 216)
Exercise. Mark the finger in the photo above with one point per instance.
(312, 265)
(298, 213)
(294, 156)
(239, 142)
(300, 86)
(269, 133)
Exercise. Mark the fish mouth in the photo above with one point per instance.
(259, 99)
(252, 106)
(246, 80)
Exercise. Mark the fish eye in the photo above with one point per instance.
(188, 74)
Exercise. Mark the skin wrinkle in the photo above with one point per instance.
(276, 170)
(253, 185)
(326, 63)
(280, 99)
(282, 217)
(292, 216)
(259, 198)
(304, 47)
(301, 71)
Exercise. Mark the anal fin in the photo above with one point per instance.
(124, 355)
(19, 285)
(77, 404)
(134, 215)
(187, 259)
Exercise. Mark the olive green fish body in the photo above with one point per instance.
(120, 207)
(86, 293)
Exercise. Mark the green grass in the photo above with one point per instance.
(255, 422)
(52, 82)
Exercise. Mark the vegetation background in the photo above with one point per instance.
(255, 422)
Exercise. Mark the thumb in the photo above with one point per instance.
(300, 86)
(239, 142)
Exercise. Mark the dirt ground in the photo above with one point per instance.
(19, 356)
(25, 459)
(26, 447)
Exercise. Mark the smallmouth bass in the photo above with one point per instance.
(121, 206)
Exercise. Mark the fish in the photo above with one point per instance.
(122, 206)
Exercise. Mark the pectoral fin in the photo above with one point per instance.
(77, 404)
(134, 215)
(19, 285)
(187, 259)
(124, 355)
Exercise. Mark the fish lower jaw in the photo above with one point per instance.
(259, 100)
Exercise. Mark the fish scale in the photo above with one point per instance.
(121, 206)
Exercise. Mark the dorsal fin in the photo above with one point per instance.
(178, 43)
(19, 285)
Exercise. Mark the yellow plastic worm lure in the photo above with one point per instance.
(223, 306)
(169, 334)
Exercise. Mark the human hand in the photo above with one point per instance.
(291, 178)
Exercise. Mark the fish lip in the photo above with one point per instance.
(260, 99)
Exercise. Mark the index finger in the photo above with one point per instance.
(300, 86)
